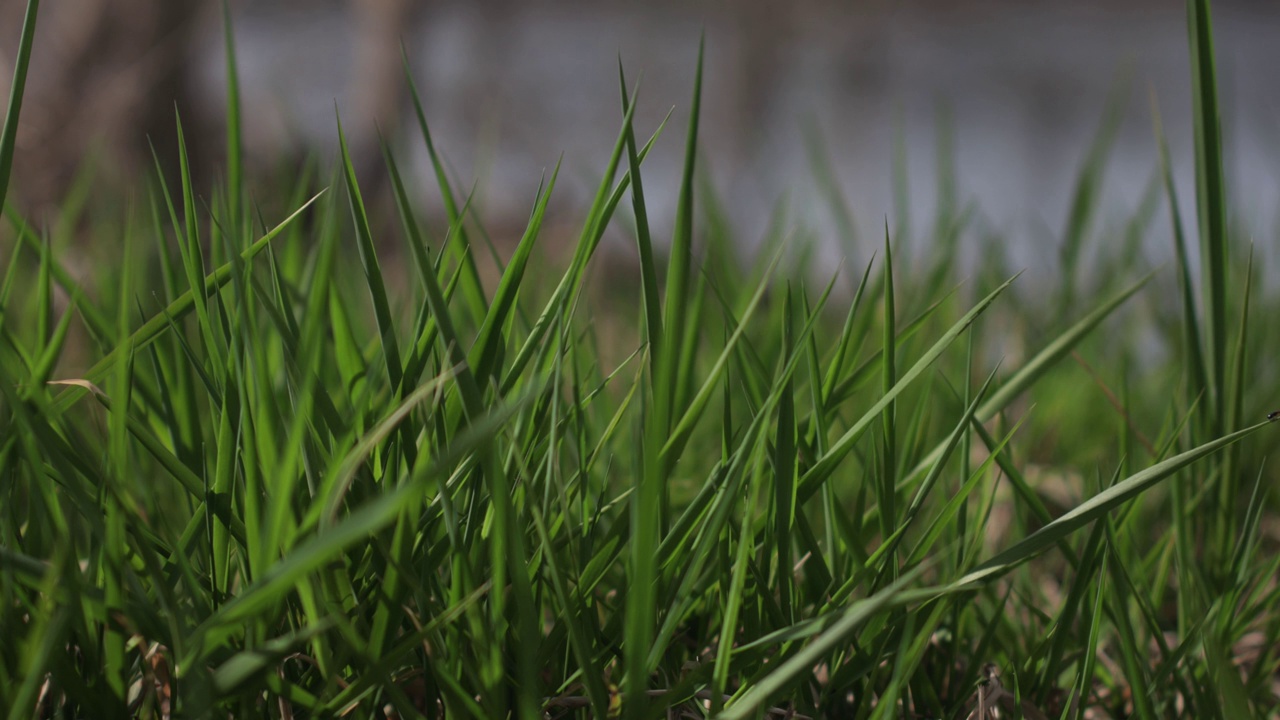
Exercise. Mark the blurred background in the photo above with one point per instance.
(1015, 92)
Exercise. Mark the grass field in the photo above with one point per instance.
(248, 468)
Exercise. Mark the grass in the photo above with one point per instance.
(241, 477)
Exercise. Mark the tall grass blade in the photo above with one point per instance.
(1211, 204)
(372, 270)
(1094, 508)
(9, 134)
(826, 465)
(235, 151)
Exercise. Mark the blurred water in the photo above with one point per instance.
(510, 86)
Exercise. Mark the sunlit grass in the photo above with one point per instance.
(242, 474)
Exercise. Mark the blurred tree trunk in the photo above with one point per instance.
(106, 76)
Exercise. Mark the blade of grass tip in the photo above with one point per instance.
(644, 242)
(888, 495)
(821, 470)
(9, 135)
(602, 208)
(1211, 204)
(193, 260)
(489, 341)
(1094, 508)
(679, 434)
(507, 547)
(865, 372)
(372, 271)
(843, 347)
(679, 265)
(235, 152)
(1031, 372)
(1198, 381)
(177, 309)
(413, 233)
(472, 289)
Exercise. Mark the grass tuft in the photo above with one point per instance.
(244, 480)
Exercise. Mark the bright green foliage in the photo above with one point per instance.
(254, 478)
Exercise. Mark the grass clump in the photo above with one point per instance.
(280, 487)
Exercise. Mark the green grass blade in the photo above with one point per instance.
(1094, 508)
(1198, 374)
(372, 270)
(179, 308)
(676, 307)
(887, 492)
(826, 465)
(1087, 193)
(1211, 204)
(803, 662)
(489, 342)
(472, 289)
(1034, 369)
(9, 134)
(644, 242)
(235, 152)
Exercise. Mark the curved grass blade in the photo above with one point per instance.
(1094, 508)
(177, 309)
